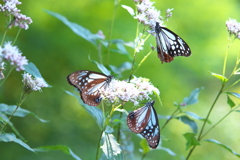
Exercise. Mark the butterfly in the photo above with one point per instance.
(169, 44)
(88, 83)
(144, 120)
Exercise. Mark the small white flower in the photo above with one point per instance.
(138, 89)
(14, 56)
(33, 84)
(233, 27)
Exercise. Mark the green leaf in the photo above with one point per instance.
(193, 98)
(144, 146)
(195, 116)
(192, 124)
(101, 67)
(95, 112)
(61, 148)
(5, 119)
(77, 29)
(221, 77)
(230, 102)
(33, 70)
(169, 151)
(191, 140)
(10, 137)
(237, 95)
(110, 146)
(223, 146)
(120, 69)
(20, 111)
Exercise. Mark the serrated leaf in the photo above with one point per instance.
(77, 29)
(110, 146)
(95, 112)
(223, 146)
(129, 9)
(230, 102)
(193, 98)
(61, 148)
(195, 116)
(237, 95)
(191, 123)
(191, 140)
(10, 137)
(221, 77)
(20, 112)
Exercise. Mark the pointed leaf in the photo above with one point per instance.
(195, 116)
(237, 95)
(101, 67)
(230, 102)
(223, 146)
(144, 146)
(129, 9)
(10, 137)
(169, 151)
(120, 69)
(95, 112)
(193, 98)
(110, 146)
(20, 112)
(62, 148)
(192, 124)
(191, 140)
(77, 29)
(221, 77)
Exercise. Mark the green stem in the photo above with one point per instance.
(22, 99)
(10, 71)
(204, 123)
(218, 122)
(4, 36)
(173, 114)
(18, 33)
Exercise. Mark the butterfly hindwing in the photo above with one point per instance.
(88, 83)
(169, 44)
(145, 121)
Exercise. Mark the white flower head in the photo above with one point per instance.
(14, 56)
(138, 89)
(33, 84)
(233, 27)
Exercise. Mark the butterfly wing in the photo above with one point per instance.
(170, 44)
(137, 119)
(145, 121)
(152, 132)
(88, 83)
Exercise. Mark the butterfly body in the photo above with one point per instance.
(169, 44)
(144, 120)
(88, 83)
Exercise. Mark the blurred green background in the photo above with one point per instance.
(57, 52)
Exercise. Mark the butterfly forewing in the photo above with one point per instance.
(170, 44)
(88, 83)
(145, 121)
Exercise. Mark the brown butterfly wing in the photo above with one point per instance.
(137, 119)
(88, 83)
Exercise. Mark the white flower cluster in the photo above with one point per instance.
(233, 27)
(10, 9)
(13, 55)
(33, 84)
(134, 91)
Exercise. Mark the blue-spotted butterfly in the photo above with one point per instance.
(169, 44)
(144, 120)
(88, 83)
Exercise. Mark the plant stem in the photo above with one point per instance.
(173, 114)
(204, 123)
(16, 36)
(10, 71)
